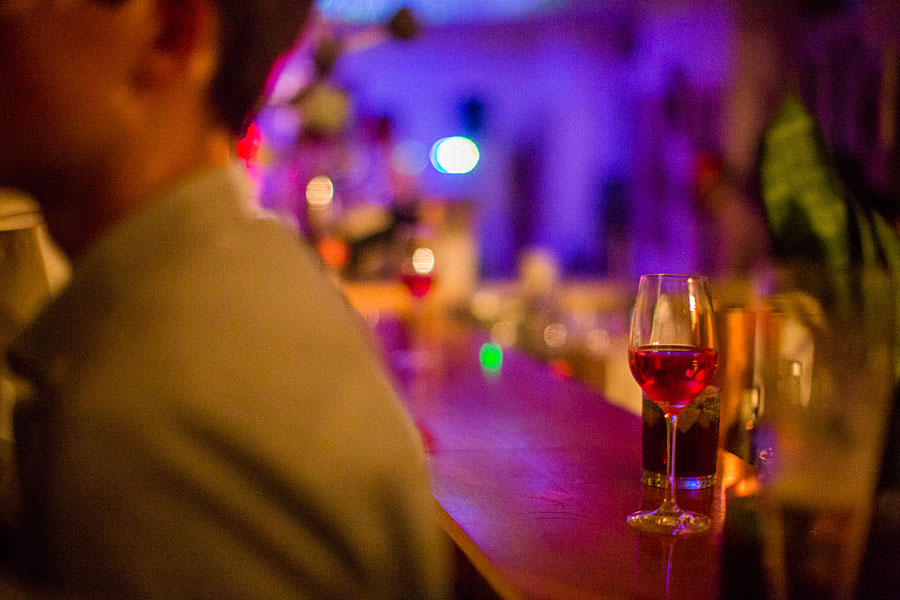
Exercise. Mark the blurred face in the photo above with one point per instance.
(67, 94)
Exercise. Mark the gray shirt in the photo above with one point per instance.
(210, 420)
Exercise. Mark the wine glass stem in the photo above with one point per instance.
(668, 504)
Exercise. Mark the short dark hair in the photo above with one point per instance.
(254, 33)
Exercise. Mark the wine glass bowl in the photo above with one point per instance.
(417, 274)
(416, 262)
(672, 376)
(672, 355)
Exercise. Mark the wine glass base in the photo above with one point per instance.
(677, 522)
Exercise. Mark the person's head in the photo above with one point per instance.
(252, 35)
(100, 95)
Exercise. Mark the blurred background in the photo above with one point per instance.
(519, 163)
(548, 152)
(619, 137)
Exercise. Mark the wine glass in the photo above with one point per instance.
(416, 268)
(672, 355)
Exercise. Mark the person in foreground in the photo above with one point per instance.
(206, 418)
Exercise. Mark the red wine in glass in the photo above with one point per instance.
(417, 272)
(672, 376)
(418, 284)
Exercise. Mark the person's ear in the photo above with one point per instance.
(185, 41)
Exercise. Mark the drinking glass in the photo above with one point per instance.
(672, 355)
(414, 268)
(416, 263)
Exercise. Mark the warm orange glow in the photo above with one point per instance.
(333, 251)
(485, 305)
(556, 335)
(737, 476)
(746, 487)
(504, 333)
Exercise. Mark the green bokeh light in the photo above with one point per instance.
(491, 357)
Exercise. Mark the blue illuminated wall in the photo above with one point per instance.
(567, 106)
(444, 11)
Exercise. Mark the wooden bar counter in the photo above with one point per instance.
(535, 473)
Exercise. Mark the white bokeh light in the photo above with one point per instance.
(319, 192)
(455, 155)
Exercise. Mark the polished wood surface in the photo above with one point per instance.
(535, 475)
